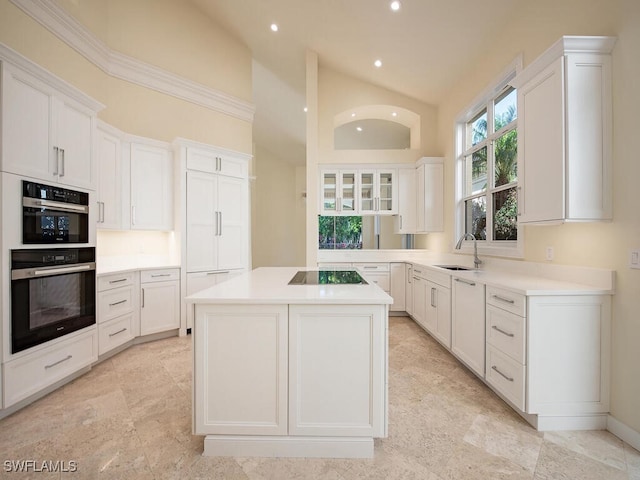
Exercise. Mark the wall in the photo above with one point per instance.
(278, 213)
(599, 244)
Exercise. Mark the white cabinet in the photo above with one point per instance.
(438, 307)
(378, 191)
(109, 166)
(468, 323)
(117, 310)
(408, 292)
(151, 187)
(430, 195)
(46, 134)
(217, 223)
(406, 220)
(377, 273)
(419, 295)
(159, 300)
(565, 139)
(198, 281)
(397, 287)
(338, 192)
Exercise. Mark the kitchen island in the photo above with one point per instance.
(294, 370)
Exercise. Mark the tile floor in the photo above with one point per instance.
(129, 418)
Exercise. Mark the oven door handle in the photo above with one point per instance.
(59, 206)
(42, 272)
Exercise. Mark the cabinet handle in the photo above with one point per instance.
(62, 164)
(160, 275)
(117, 303)
(142, 305)
(417, 271)
(497, 329)
(493, 367)
(118, 281)
(68, 357)
(466, 282)
(56, 152)
(400, 222)
(433, 303)
(502, 299)
(218, 273)
(220, 223)
(409, 275)
(116, 333)
(369, 267)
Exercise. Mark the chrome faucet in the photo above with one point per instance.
(476, 260)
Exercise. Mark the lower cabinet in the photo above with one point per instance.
(198, 281)
(159, 300)
(438, 311)
(117, 310)
(408, 288)
(30, 373)
(468, 323)
(397, 287)
(283, 370)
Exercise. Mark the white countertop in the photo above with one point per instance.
(128, 263)
(269, 285)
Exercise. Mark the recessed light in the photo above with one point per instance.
(395, 6)
(353, 114)
(359, 129)
(378, 63)
(274, 27)
(394, 114)
(305, 109)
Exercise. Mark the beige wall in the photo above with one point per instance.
(536, 27)
(278, 212)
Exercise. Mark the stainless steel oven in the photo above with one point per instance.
(53, 293)
(51, 214)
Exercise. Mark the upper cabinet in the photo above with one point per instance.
(48, 128)
(109, 166)
(565, 144)
(430, 195)
(405, 221)
(358, 191)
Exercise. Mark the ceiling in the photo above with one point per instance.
(424, 48)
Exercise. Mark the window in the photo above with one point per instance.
(339, 232)
(487, 175)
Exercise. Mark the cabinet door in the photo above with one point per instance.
(387, 191)
(337, 382)
(433, 198)
(159, 307)
(329, 192)
(233, 223)
(397, 290)
(151, 190)
(237, 343)
(27, 105)
(347, 192)
(202, 234)
(408, 293)
(468, 323)
(367, 197)
(405, 222)
(419, 300)
(438, 312)
(109, 181)
(74, 138)
(541, 146)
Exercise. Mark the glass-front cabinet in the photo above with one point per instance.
(378, 191)
(338, 192)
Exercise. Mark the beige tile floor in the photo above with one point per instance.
(129, 418)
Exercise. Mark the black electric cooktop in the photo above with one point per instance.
(328, 277)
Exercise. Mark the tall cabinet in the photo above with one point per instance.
(214, 206)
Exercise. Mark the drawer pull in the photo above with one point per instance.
(118, 281)
(116, 333)
(501, 374)
(68, 357)
(502, 299)
(218, 273)
(466, 282)
(160, 275)
(497, 329)
(370, 267)
(417, 271)
(117, 303)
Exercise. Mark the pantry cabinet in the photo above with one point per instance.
(47, 134)
(565, 133)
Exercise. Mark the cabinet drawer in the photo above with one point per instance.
(36, 371)
(203, 280)
(380, 279)
(507, 300)
(442, 279)
(506, 376)
(372, 267)
(114, 333)
(164, 275)
(113, 303)
(107, 282)
(506, 332)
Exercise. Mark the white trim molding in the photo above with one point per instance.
(623, 432)
(55, 19)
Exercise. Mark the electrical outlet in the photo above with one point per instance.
(550, 254)
(634, 259)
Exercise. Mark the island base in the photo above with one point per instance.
(272, 446)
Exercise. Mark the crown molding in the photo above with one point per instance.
(55, 19)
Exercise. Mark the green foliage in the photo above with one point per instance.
(339, 232)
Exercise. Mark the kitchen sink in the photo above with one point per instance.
(453, 267)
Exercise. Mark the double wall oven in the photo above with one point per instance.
(53, 283)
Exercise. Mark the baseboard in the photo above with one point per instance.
(623, 432)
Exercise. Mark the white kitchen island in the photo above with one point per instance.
(289, 370)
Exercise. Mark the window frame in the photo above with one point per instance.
(506, 248)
